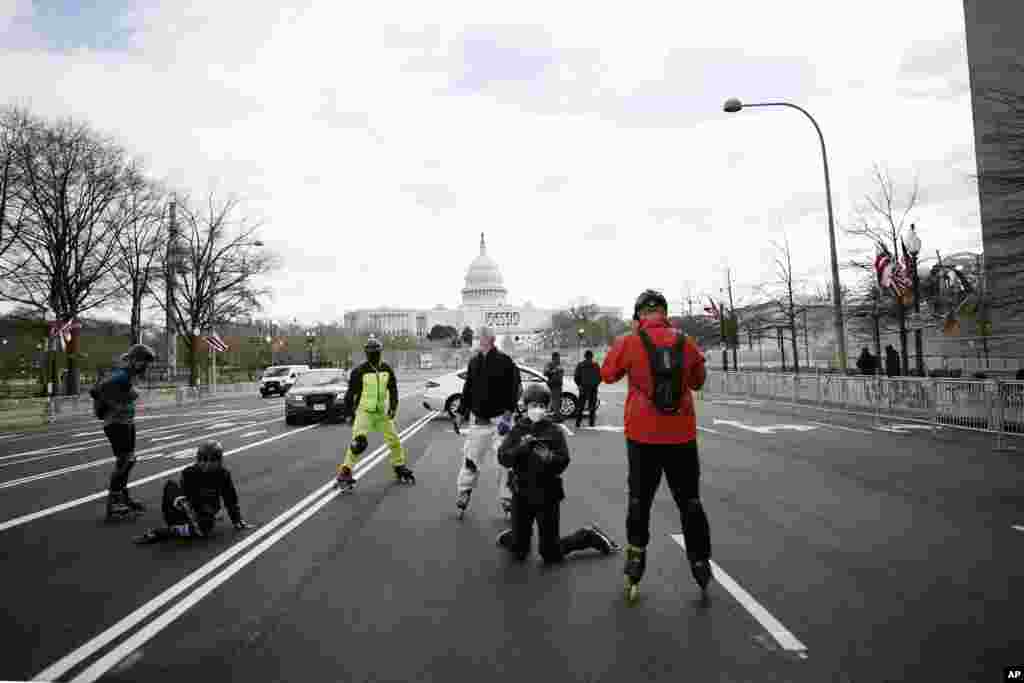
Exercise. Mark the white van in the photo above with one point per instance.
(278, 379)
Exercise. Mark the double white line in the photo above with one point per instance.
(271, 533)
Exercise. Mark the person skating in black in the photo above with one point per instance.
(538, 454)
(554, 372)
(588, 379)
(114, 402)
(190, 508)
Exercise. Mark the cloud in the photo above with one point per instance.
(433, 197)
(601, 233)
(552, 184)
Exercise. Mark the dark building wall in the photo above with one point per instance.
(995, 57)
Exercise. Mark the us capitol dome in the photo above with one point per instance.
(484, 302)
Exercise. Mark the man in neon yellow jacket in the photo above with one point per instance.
(373, 397)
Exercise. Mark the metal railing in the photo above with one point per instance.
(991, 406)
(70, 406)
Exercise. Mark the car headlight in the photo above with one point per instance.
(296, 399)
(340, 396)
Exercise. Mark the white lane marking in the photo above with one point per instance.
(847, 429)
(604, 428)
(1018, 527)
(103, 440)
(164, 438)
(766, 429)
(709, 430)
(248, 434)
(100, 666)
(75, 436)
(9, 436)
(96, 463)
(221, 425)
(24, 519)
(914, 426)
(780, 633)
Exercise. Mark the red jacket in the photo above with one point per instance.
(643, 423)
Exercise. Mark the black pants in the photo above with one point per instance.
(175, 517)
(122, 441)
(588, 398)
(556, 403)
(681, 466)
(553, 548)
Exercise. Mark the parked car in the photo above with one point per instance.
(317, 395)
(278, 379)
(445, 392)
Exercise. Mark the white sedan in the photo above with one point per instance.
(445, 392)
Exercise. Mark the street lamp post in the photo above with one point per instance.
(913, 244)
(310, 337)
(733, 105)
(579, 344)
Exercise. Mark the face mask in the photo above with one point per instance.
(536, 414)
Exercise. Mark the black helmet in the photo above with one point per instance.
(649, 298)
(358, 444)
(373, 344)
(140, 353)
(211, 450)
(537, 393)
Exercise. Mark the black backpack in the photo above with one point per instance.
(667, 372)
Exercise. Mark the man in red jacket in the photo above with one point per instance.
(657, 442)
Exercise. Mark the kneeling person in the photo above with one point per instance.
(190, 508)
(538, 454)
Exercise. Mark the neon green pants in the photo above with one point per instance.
(375, 422)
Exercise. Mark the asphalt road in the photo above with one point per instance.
(843, 553)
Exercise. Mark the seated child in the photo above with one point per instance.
(538, 454)
(190, 508)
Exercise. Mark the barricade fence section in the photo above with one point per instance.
(991, 405)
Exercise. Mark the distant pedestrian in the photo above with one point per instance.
(554, 373)
(866, 363)
(892, 361)
(588, 379)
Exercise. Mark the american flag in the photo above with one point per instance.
(216, 343)
(893, 274)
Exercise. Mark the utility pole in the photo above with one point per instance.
(807, 346)
(171, 335)
(732, 315)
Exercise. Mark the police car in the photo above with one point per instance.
(445, 392)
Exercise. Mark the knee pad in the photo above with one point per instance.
(693, 507)
(358, 445)
(471, 466)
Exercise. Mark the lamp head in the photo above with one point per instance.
(732, 105)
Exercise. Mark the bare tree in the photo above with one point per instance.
(881, 219)
(71, 178)
(13, 123)
(140, 246)
(784, 293)
(216, 276)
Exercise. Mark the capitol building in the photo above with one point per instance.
(483, 303)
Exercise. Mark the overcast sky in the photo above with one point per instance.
(377, 140)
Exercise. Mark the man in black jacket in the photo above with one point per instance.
(554, 373)
(190, 508)
(537, 453)
(490, 394)
(588, 379)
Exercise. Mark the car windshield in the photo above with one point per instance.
(275, 372)
(320, 378)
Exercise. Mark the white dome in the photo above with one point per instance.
(484, 272)
(484, 284)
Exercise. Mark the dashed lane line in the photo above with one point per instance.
(845, 429)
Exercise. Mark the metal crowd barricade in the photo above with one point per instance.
(989, 406)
